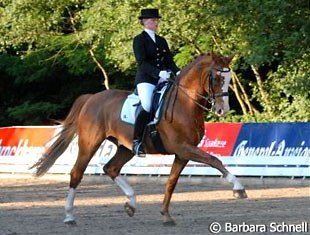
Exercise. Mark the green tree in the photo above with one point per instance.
(43, 60)
(53, 51)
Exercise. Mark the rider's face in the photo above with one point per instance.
(151, 23)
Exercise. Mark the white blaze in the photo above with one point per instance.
(222, 103)
(227, 76)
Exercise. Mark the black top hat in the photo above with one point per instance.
(149, 13)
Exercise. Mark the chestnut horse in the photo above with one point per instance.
(95, 117)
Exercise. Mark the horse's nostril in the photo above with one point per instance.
(220, 112)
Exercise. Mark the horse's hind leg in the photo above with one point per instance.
(113, 168)
(86, 152)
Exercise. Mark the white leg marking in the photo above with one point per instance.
(69, 206)
(232, 179)
(127, 189)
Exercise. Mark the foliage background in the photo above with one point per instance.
(53, 51)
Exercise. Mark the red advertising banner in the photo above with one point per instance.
(21, 141)
(220, 138)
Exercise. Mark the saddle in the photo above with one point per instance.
(132, 105)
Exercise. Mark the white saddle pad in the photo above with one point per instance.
(129, 109)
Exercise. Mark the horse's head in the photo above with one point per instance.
(206, 79)
(217, 83)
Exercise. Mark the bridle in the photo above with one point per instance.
(211, 94)
(212, 83)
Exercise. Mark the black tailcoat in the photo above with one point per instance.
(151, 58)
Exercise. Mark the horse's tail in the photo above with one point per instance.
(64, 138)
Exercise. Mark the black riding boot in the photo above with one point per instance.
(141, 121)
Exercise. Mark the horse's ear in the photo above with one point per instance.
(229, 58)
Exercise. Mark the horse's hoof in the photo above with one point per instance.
(70, 223)
(129, 209)
(69, 220)
(168, 221)
(240, 194)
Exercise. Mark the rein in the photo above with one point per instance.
(210, 101)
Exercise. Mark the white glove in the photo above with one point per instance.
(163, 76)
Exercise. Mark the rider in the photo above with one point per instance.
(153, 58)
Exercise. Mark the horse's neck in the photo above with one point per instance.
(182, 108)
(188, 92)
(192, 83)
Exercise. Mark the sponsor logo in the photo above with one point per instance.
(21, 149)
(273, 149)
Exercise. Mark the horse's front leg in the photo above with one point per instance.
(195, 154)
(177, 167)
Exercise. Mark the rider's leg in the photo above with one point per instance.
(141, 121)
(145, 92)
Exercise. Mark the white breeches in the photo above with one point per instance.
(145, 92)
